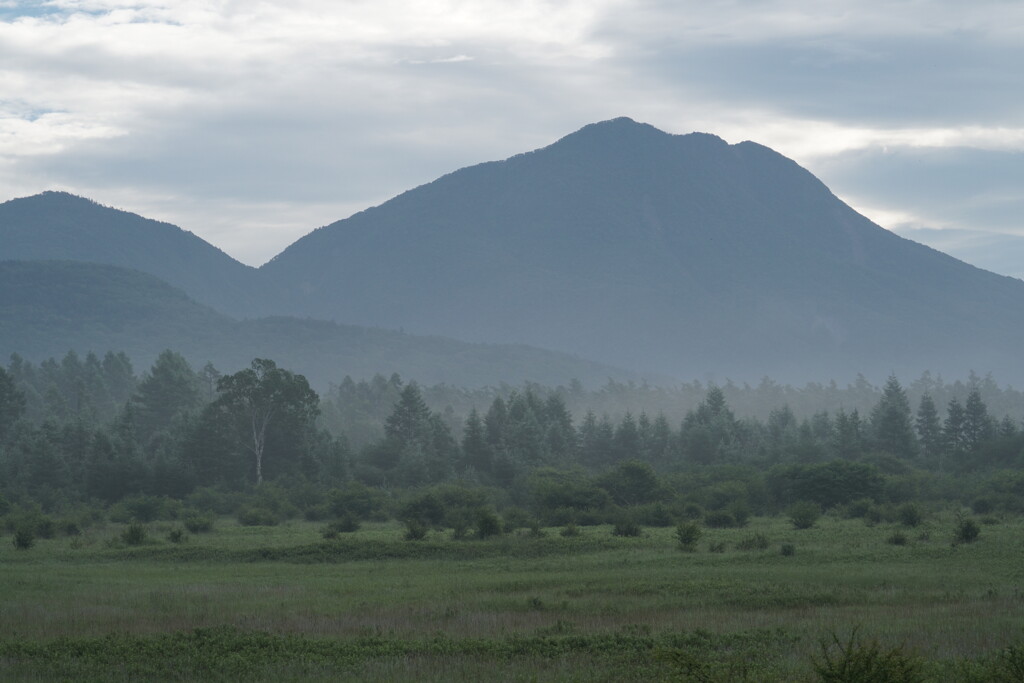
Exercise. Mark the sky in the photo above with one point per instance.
(251, 123)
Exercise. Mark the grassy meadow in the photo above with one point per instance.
(285, 603)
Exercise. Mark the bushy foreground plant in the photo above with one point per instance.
(688, 534)
(24, 539)
(865, 661)
(804, 515)
(966, 531)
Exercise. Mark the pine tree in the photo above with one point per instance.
(978, 425)
(929, 430)
(891, 428)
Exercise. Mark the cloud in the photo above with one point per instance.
(253, 123)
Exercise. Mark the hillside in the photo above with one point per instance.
(676, 253)
(61, 226)
(49, 308)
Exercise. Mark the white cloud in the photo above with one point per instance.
(253, 122)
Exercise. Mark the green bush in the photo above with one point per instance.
(804, 515)
(967, 530)
(716, 547)
(570, 530)
(346, 525)
(135, 534)
(517, 518)
(859, 661)
(46, 527)
(198, 523)
(910, 515)
(487, 523)
(176, 535)
(787, 550)
(256, 516)
(415, 530)
(24, 539)
(897, 538)
(688, 534)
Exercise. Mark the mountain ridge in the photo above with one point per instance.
(678, 254)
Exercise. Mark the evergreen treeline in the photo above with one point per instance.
(261, 443)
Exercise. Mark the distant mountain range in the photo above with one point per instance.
(50, 307)
(675, 254)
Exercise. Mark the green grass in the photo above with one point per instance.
(282, 603)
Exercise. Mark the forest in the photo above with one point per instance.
(84, 437)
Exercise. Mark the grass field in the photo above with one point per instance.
(283, 603)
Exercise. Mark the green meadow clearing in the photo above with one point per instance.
(284, 603)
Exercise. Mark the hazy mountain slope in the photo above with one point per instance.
(61, 226)
(49, 308)
(677, 253)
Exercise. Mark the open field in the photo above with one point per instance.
(280, 603)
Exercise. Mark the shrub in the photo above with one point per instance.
(967, 530)
(197, 523)
(415, 530)
(787, 550)
(858, 660)
(909, 514)
(346, 525)
(1009, 665)
(487, 523)
(517, 518)
(626, 527)
(897, 538)
(755, 542)
(256, 516)
(46, 527)
(720, 520)
(69, 527)
(740, 514)
(570, 530)
(716, 547)
(176, 535)
(135, 534)
(804, 515)
(688, 534)
(24, 539)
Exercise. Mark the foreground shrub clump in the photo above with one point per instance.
(688, 534)
(135, 534)
(24, 539)
(858, 660)
(256, 516)
(804, 515)
(967, 530)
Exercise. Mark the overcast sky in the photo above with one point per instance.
(251, 123)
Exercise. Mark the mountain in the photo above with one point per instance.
(50, 307)
(61, 226)
(676, 253)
